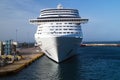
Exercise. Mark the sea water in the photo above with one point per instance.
(92, 63)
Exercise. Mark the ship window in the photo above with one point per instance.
(71, 29)
(51, 29)
(64, 29)
(60, 32)
(65, 23)
(58, 23)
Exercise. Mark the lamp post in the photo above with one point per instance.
(16, 34)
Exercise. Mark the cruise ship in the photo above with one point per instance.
(59, 32)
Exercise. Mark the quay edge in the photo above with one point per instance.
(17, 66)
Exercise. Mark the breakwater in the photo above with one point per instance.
(100, 45)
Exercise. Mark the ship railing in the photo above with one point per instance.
(73, 20)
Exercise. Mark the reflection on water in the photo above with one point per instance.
(92, 63)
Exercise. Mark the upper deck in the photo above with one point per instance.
(59, 12)
(59, 15)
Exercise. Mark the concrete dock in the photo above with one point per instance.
(28, 56)
(114, 45)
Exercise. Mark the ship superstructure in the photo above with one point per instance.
(59, 32)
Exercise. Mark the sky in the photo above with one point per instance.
(103, 15)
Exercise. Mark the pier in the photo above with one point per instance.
(88, 45)
(28, 56)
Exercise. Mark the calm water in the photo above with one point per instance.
(93, 63)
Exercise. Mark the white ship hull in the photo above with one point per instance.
(60, 48)
(59, 32)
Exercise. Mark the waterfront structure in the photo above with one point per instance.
(1, 48)
(59, 32)
(9, 47)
